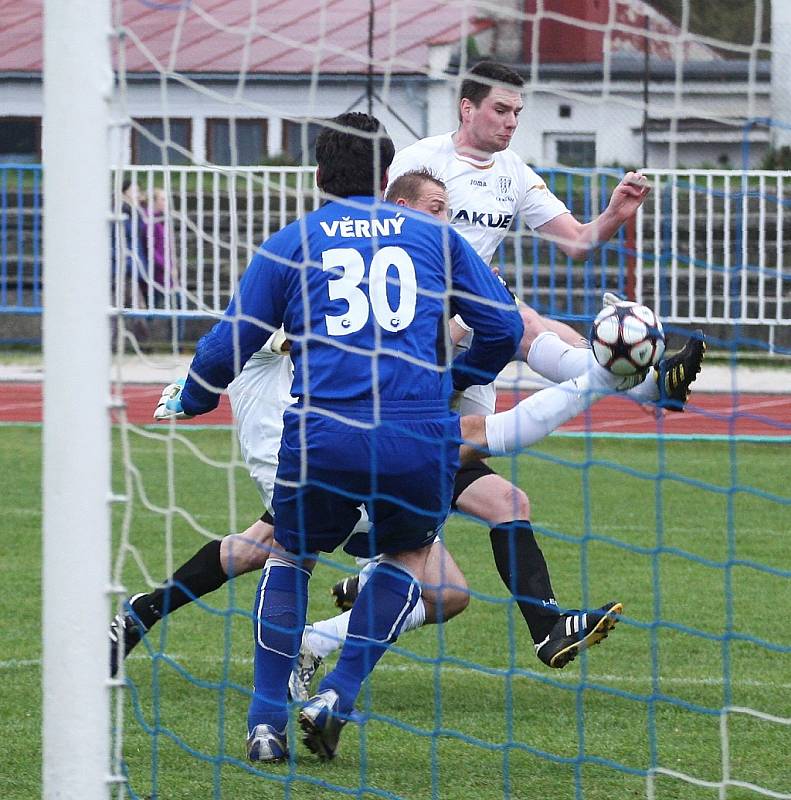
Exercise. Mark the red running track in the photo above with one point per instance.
(766, 415)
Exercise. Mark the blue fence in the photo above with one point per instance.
(707, 247)
(211, 239)
(550, 281)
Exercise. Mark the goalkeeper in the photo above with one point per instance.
(371, 423)
(259, 396)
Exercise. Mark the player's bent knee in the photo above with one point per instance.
(512, 503)
(444, 603)
(494, 499)
(444, 587)
(534, 325)
(454, 600)
(245, 552)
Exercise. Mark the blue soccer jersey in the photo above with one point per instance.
(364, 290)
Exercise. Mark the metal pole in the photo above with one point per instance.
(76, 476)
(370, 76)
(781, 67)
(646, 80)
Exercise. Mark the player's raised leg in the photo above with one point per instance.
(668, 385)
(533, 418)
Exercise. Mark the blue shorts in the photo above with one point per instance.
(402, 470)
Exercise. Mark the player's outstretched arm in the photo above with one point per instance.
(576, 239)
(169, 404)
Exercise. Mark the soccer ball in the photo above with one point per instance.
(627, 338)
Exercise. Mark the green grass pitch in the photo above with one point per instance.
(691, 536)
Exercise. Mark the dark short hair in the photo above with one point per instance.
(493, 74)
(350, 163)
(410, 185)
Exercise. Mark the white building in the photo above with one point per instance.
(191, 76)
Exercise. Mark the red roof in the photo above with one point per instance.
(281, 36)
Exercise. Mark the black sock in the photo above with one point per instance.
(203, 573)
(523, 570)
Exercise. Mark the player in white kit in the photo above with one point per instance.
(489, 186)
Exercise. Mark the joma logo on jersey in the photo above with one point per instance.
(476, 182)
(479, 218)
(350, 228)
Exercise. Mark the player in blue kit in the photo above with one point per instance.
(364, 291)
(259, 397)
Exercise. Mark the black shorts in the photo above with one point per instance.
(467, 475)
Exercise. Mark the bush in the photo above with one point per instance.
(779, 158)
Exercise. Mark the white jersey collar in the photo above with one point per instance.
(471, 160)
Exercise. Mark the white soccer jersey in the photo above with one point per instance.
(485, 197)
(259, 395)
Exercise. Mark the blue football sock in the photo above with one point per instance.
(278, 621)
(376, 620)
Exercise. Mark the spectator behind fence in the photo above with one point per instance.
(160, 249)
(129, 263)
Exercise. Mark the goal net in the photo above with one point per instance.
(682, 517)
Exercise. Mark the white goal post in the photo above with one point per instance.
(76, 437)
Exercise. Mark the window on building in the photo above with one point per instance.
(150, 149)
(299, 135)
(249, 135)
(20, 140)
(575, 152)
(564, 111)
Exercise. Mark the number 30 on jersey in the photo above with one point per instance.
(347, 287)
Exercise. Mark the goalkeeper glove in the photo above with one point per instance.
(169, 405)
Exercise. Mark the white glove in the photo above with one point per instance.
(169, 405)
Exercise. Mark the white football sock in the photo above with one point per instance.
(533, 418)
(558, 361)
(327, 635)
(647, 391)
(416, 617)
